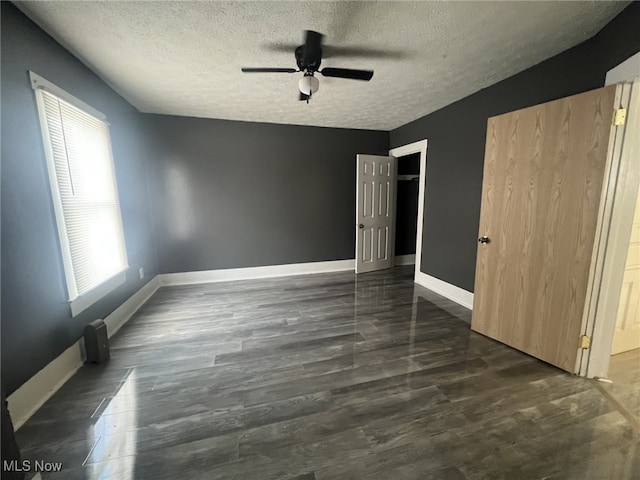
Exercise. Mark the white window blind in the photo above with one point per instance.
(84, 193)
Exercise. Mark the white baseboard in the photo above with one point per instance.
(27, 399)
(456, 294)
(405, 260)
(121, 315)
(249, 273)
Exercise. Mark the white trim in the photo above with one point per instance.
(124, 312)
(65, 249)
(405, 260)
(77, 303)
(605, 206)
(248, 273)
(84, 301)
(417, 147)
(619, 198)
(39, 83)
(394, 210)
(624, 72)
(456, 294)
(27, 399)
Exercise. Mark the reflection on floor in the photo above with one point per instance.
(624, 372)
(324, 377)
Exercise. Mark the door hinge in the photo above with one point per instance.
(585, 342)
(619, 116)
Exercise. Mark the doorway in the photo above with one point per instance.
(627, 332)
(612, 303)
(410, 151)
(376, 213)
(622, 367)
(407, 208)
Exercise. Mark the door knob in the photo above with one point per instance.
(360, 225)
(484, 240)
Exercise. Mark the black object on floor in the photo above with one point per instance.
(96, 342)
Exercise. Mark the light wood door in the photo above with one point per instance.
(627, 333)
(543, 176)
(375, 212)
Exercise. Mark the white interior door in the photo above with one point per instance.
(627, 333)
(375, 212)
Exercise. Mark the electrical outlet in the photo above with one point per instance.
(141, 272)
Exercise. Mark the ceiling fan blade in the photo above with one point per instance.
(333, 51)
(347, 73)
(312, 47)
(269, 70)
(280, 47)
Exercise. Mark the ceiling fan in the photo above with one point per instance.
(308, 58)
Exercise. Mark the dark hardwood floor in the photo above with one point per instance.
(624, 372)
(324, 377)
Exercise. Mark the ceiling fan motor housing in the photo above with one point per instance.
(309, 61)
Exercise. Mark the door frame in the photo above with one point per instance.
(421, 148)
(618, 200)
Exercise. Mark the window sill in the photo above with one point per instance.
(84, 301)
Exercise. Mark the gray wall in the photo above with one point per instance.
(240, 194)
(36, 322)
(456, 136)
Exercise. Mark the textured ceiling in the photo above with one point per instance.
(184, 58)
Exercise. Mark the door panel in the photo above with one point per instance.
(543, 176)
(627, 333)
(375, 212)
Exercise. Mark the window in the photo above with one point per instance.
(84, 192)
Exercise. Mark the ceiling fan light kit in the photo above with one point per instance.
(308, 58)
(308, 85)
